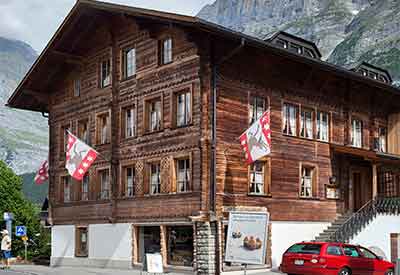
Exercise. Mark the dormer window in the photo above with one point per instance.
(372, 72)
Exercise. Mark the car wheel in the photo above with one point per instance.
(389, 272)
(344, 271)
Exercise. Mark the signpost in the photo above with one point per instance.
(247, 237)
(20, 231)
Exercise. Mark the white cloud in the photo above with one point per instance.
(35, 21)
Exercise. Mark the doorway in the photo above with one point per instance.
(362, 187)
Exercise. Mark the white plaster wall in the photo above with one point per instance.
(377, 233)
(285, 234)
(63, 241)
(110, 241)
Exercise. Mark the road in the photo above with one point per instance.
(43, 270)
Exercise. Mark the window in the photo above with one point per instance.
(103, 129)
(105, 73)
(259, 178)
(129, 62)
(67, 188)
(166, 51)
(130, 181)
(129, 122)
(85, 188)
(256, 109)
(382, 139)
(180, 245)
(183, 108)
(306, 123)
(351, 251)
(81, 242)
(282, 43)
(64, 141)
(323, 126)
(104, 184)
(334, 250)
(289, 119)
(154, 115)
(148, 241)
(296, 48)
(356, 133)
(307, 181)
(155, 179)
(314, 249)
(366, 253)
(309, 53)
(83, 131)
(183, 175)
(77, 87)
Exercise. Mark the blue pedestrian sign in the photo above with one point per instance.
(20, 231)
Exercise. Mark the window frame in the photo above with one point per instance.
(78, 245)
(108, 67)
(314, 180)
(125, 51)
(303, 123)
(162, 49)
(252, 111)
(385, 150)
(150, 183)
(65, 178)
(189, 182)
(287, 119)
(63, 139)
(352, 138)
(186, 89)
(146, 101)
(99, 127)
(266, 166)
(77, 86)
(79, 123)
(123, 120)
(85, 195)
(100, 186)
(328, 131)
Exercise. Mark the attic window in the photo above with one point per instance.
(282, 43)
(296, 48)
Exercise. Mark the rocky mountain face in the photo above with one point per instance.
(23, 135)
(346, 31)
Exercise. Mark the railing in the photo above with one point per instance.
(364, 216)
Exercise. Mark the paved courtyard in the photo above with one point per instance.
(43, 270)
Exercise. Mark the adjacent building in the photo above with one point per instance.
(163, 98)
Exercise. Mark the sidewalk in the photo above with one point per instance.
(44, 270)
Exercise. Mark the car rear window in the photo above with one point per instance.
(305, 249)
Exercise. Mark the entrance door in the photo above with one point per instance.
(362, 187)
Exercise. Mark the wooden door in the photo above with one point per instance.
(362, 187)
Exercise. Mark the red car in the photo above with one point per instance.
(324, 258)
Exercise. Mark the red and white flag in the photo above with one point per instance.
(256, 141)
(79, 158)
(43, 174)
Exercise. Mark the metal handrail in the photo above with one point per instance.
(363, 216)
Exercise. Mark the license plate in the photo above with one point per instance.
(299, 262)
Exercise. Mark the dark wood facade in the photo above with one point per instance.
(206, 61)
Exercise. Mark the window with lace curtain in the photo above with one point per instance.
(356, 133)
(103, 130)
(323, 126)
(306, 123)
(257, 107)
(183, 108)
(67, 188)
(85, 188)
(307, 181)
(104, 184)
(289, 119)
(155, 178)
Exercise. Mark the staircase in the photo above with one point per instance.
(348, 225)
(335, 226)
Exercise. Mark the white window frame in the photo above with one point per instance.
(155, 178)
(289, 115)
(356, 133)
(307, 123)
(257, 178)
(323, 120)
(183, 108)
(129, 62)
(307, 181)
(167, 51)
(155, 115)
(183, 184)
(130, 122)
(130, 181)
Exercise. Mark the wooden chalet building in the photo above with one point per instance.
(164, 98)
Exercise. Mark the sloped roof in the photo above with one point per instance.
(23, 93)
(367, 66)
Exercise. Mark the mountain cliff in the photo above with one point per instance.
(346, 31)
(23, 135)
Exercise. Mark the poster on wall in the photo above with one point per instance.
(247, 237)
(153, 263)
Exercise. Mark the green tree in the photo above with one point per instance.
(25, 213)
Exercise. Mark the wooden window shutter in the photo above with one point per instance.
(173, 175)
(146, 178)
(315, 182)
(267, 177)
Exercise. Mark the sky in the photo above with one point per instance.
(35, 21)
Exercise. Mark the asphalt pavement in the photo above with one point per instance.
(44, 270)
